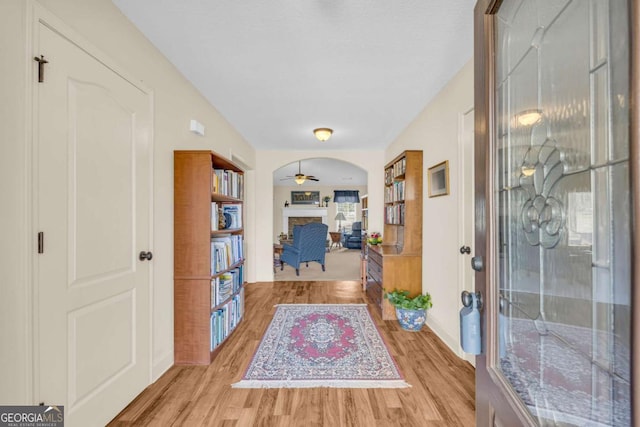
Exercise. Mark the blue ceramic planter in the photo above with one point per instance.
(411, 320)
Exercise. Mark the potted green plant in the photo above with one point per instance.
(410, 311)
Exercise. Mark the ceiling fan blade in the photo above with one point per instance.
(311, 178)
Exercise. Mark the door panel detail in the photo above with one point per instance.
(102, 183)
(90, 370)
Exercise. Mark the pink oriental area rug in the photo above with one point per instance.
(322, 345)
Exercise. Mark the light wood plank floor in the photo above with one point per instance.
(442, 392)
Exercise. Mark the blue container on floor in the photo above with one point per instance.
(411, 320)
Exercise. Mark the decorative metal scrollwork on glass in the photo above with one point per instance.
(543, 216)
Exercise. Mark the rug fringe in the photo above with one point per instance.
(321, 384)
(306, 305)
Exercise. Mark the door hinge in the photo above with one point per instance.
(41, 242)
(41, 61)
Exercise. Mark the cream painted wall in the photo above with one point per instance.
(269, 161)
(175, 102)
(435, 131)
(282, 194)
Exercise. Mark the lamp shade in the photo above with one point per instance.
(299, 180)
(340, 217)
(323, 133)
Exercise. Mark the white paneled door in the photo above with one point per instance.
(92, 182)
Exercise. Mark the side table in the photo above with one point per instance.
(336, 239)
(277, 251)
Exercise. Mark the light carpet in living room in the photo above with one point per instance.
(340, 264)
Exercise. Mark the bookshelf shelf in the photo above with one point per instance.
(232, 267)
(208, 261)
(215, 197)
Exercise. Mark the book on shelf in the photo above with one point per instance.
(225, 285)
(228, 183)
(233, 211)
(214, 216)
(395, 214)
(226, 318)
(226, 250)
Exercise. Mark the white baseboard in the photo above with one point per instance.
(451, 342)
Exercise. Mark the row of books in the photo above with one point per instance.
(225, 285)
(394, 214)
(225, 319)
(232, 213)
(228, 183)
(226, 250)
(394, 193)
(397, 169)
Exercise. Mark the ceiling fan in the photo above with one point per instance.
(300, 178)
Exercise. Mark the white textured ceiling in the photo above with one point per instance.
(277, 69)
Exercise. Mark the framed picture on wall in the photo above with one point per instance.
(305, 197)
(439, 179)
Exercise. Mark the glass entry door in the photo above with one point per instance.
(558, 274)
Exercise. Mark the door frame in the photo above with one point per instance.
(464, 268)
(634, 166)
(37, 15)
(512, 410)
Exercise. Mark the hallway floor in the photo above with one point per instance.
(442, 392)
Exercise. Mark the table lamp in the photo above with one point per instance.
(340, 217)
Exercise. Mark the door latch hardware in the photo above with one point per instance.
(41, 61)
(470, 328)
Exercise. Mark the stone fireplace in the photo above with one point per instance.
(296, 216)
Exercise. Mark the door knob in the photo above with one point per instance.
(477, 263)
(145, 255)
(465, 250)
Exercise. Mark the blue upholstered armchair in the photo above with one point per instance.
(353, 240)
(309, 244)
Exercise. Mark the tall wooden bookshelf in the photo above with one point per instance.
(207, 308)
(397, 263)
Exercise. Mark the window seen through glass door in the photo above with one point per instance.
(349, 212)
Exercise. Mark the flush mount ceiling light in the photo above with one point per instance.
(529, 117)
(323, 133)
(528, 170)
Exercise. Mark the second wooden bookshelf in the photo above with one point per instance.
(397, 263)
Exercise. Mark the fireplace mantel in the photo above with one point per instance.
(302, 212)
